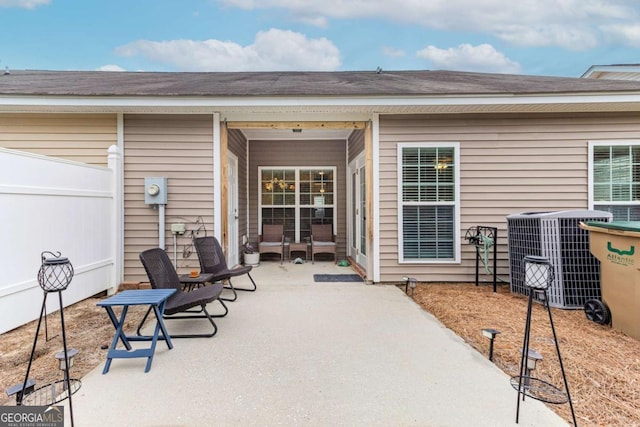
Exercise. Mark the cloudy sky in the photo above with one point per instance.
(540, 37)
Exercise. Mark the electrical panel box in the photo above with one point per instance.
(155, 191)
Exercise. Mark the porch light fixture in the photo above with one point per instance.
(491, 334)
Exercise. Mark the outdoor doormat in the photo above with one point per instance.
(337, 278)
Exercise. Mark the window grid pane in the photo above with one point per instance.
(428, 232)
(616, 178)
(281, 216)
(278, 190)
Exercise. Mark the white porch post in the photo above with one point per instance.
(117, 218)
(217, 179)
(375, 142)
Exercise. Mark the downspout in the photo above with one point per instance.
(217, 178)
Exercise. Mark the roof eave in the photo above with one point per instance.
(480, 103)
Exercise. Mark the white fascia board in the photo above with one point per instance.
(275, 102)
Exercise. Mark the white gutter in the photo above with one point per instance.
(332, 101)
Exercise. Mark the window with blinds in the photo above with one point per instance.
(428, 202)
(616, 179)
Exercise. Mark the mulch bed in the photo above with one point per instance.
(602, 365)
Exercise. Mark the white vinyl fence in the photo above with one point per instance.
(49, 204)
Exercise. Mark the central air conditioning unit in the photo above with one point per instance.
(558, 237)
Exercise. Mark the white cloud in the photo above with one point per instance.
(392, 52)
(272, 50)
(110, 67)
(26, 4)
(629, 34)
(571, 24)
(465, 57)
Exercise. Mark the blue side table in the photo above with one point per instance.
(156, 299)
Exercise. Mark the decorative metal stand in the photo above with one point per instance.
(54, 275)
(538, 276)
(484, 238)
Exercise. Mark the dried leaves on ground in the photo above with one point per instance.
(602, 365)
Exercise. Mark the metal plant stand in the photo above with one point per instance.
(538, 276)
(54, 275)
(484, 238)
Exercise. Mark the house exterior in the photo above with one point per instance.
(401, 163)
(613, 72)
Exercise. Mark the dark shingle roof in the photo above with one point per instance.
(346, 83)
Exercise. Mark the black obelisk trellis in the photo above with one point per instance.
(54, 275)
(538, 276)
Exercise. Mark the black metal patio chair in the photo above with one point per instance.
(163, 275)
(212, 261)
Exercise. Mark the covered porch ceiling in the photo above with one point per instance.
(296, 130)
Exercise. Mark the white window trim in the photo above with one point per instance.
(298, 205)
(591, 145)
(456, 204)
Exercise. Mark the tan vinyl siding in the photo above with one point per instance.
(237, 144)
(508, 165)
(299, 153)
(80, 137)
(355, 144)
(180, 148)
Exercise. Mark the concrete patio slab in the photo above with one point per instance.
(297, 352)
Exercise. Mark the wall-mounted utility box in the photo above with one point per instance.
(155, 191)
(178, 228)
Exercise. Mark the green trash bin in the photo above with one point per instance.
(617, 245)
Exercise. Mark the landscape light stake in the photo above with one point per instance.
(491, 334)
(409, 282)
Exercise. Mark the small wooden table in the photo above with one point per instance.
(298, 247)
(156, 299)
(191, 282)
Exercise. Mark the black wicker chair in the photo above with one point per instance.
(212, 261)
(163, 275)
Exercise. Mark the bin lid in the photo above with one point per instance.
(617, 225)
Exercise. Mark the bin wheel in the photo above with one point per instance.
(597, 312)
